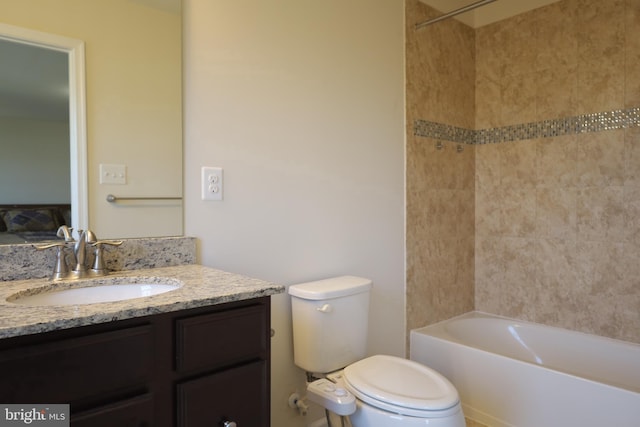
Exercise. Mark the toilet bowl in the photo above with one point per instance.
(330, 320)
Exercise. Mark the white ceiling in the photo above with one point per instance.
(489, 13)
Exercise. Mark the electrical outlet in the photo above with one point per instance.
(211, 183)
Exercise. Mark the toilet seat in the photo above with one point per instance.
(401, 386)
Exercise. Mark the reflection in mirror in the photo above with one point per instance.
(41, 125)
(132, 56)
(34, 130)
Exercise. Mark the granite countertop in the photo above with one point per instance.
(200, 286)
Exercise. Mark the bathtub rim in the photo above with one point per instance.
(479, 314)
(476, 314)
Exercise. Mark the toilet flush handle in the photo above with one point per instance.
(326, 308)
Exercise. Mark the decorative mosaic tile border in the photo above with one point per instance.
(585, 123)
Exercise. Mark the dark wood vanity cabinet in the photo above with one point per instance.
(190, 368)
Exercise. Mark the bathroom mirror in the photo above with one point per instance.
(42, 134)
(125, 110)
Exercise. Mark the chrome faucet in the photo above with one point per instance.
(82, 266)
(80, 254)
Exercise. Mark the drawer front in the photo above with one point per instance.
(221, 339)
(77, 369)
(136, 412)
(240, 395)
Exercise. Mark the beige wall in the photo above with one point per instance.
(133, 93)
(302, 104)
(556, 228)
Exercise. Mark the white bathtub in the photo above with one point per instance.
(514, 373)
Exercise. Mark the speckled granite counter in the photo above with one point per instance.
(20, 262)
(201, 286)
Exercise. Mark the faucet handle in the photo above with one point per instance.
(66, 232)
(108, 242)
(50, 245)
(60, 269)
(99, 269)
(91, 237)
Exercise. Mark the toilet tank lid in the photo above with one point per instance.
(330, 288)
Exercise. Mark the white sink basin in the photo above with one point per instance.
(88, 293)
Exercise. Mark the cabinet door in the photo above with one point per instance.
(240, 395)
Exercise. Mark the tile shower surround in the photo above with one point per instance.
(553, 222)
(594, 230)
(585, 123)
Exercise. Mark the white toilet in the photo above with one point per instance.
(330, 320)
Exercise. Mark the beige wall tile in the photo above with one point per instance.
(600, 272)
(601, 40)
(440, 183)
(600, 159)
(556, 160)
(518, 212)
(517, 32)
(546, 230)
(488, 211)
(556, 213)
(587, 186)
(601, 84)
(518, 96)
(489, 275)
(600, 28)
(600, 214)
(632, 156)
(445, 80)
(488, 104)
(466, 171)
(632, 53)
(556, 92)
(491, 53)
(518, 164)
(431, 168)
(488, 163)
(519, 276)
(557, 36)
(631, 209)
(557, 276)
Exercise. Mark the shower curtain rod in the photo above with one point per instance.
(454, 13)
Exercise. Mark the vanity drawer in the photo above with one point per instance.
(221, 339)
(239, 394)
(136, 412)
(75, 370)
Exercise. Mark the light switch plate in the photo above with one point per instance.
(113, 174)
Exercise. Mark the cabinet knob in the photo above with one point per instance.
(229, 424)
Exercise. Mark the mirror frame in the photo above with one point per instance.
(77, 111)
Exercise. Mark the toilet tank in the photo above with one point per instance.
(330, 319)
